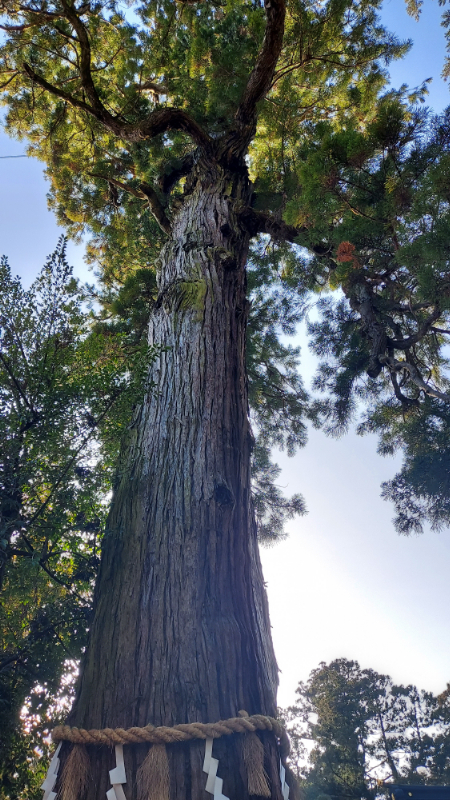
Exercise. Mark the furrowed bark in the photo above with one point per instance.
(181, 630)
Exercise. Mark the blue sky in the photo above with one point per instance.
(344, 583)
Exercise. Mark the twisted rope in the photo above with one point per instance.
(179, 733)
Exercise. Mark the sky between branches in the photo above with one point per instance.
(344, 583)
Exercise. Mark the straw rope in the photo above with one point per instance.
(179, 733)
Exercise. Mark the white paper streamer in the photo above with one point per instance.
(117, 776)
(52, 774)
(284, 786)
(210, 765)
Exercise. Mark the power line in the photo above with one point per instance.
(24, 156)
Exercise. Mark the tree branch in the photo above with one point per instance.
(159, 121)
(126, 187)
(16, 383)
(405, 344)
(361, 300)
(180, 170)
(261, 77)
(85, 57)
(439, 330)
(156, 207)
(68, 466)
(260, 222)
(145, 192)
(405, 401)
(152, 87)
(415, 376)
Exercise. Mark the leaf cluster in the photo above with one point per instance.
(192, 57)
(66, 395)
(378, 213)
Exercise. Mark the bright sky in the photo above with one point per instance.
(343, 583)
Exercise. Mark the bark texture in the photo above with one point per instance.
(181, 629)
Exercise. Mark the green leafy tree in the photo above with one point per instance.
(65, 393)
(151, 127)
(363, 732)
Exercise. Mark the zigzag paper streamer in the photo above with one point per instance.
(50, 778)
(117, 776)
(210, 765)
(284, 786)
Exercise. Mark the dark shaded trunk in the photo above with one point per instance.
(181, 630)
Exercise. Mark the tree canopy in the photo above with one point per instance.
(380, 200)
(118, 106)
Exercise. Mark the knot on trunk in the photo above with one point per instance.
(223, 495)
(226, 259)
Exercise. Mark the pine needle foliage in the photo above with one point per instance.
(378, 209)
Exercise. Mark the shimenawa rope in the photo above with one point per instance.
(166, 735)
(153, 777)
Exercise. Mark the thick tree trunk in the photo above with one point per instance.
(181, 630)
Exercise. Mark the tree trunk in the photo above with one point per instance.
(181, 630)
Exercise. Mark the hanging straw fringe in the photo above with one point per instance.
(75, 775)
(153, 775)
(253, 753)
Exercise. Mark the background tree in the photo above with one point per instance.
(362, 730)
(65, 393)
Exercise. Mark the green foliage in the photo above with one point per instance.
(279, 404)
(66, 395)
(191, 56)
(195, 57)
(421, 490)
(363, 731)
(278, 401)
(331, 69)
(271, 507)
(378, 213)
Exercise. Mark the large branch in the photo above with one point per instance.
(361, 299)
(179, 170)
(261, 77)
(407, 402)
(159, 121)
(85, 57)
(260, 222)
(156, 207)
(415, 377)
(410, 341)
(145, 192)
